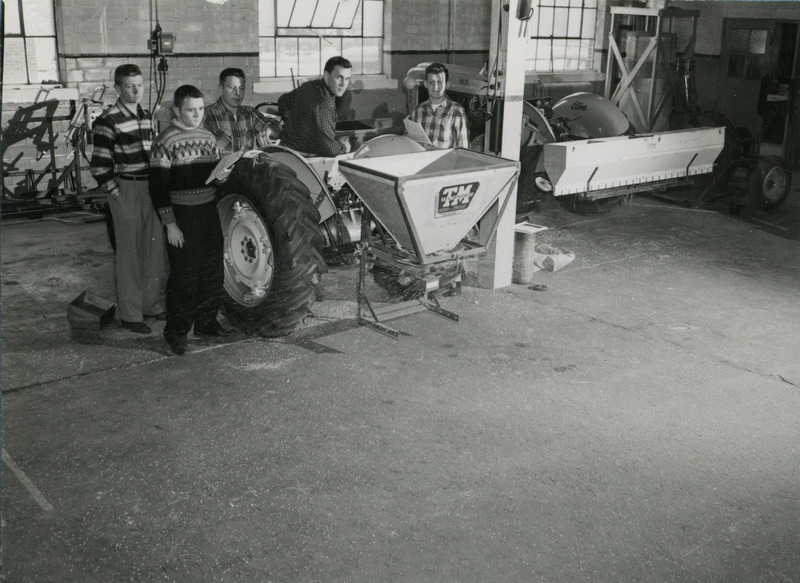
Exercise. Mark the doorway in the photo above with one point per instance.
(757, 83)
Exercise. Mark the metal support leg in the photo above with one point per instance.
(437, 308)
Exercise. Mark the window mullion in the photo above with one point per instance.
(20, 11)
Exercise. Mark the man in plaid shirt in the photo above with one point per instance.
(121, 163)
(311, 118)
(235, 126)
(444, 120)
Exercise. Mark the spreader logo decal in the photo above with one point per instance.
(455, 198)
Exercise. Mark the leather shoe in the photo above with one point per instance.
(177, 344)
(137, 327)
(177, 349)
(271, 331)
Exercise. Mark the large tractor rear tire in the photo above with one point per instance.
(273, 247)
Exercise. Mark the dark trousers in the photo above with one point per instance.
(194, 287)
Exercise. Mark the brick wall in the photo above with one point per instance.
(88, 73)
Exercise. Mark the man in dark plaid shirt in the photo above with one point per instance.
(235, 126)
(121, 163)
(311, 120)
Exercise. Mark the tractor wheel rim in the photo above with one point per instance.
(248, 251)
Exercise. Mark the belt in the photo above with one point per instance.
(134, 177)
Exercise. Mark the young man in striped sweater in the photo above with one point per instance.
(181, 159)
(120, 163)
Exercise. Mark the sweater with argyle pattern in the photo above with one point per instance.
(181, 160)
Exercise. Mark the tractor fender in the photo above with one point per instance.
(388, 145)
(311, 172)
(590, 116)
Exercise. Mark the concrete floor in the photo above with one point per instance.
(637, 421)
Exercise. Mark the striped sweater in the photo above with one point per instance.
(121, 139)
(180, 162)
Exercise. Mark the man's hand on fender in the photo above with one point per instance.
(345, 141)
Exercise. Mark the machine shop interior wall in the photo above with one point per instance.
(711, 93)
(455, 32)
(94, 36)
(710, 32)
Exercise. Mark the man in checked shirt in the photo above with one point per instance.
(235, 126)
(311, 119)
(444, 120)
(122, 135)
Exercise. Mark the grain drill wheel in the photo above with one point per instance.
(770, 182)
(273, 247)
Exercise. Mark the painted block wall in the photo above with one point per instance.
(97, 35)
(455, 32)
(104, 27)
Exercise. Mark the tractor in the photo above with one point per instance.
(284, 216)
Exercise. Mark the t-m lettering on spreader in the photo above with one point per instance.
(456, 198)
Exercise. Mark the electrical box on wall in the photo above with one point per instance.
(166, 43)
(162, 43)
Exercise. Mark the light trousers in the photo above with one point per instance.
(140, 265)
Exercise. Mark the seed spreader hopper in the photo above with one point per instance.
(419, 209)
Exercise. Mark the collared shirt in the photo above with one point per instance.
(446, 126)
(247, 130)
(311, 123)
(122, 141)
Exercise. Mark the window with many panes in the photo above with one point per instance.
(29, 38)
(563, 35)
(296, 37)
(747, 53)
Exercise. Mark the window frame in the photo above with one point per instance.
(748, 64)
(329, 42)
(587, 39)
(26, 40)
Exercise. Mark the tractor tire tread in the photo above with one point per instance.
(293, 221)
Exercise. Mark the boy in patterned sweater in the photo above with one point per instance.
(181, 159)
